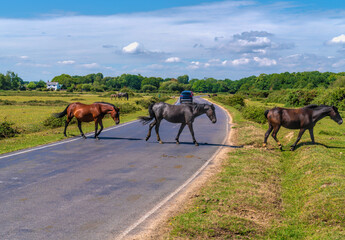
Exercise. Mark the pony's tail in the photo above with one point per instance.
(266, 112)
(61, 114)
(145, 120)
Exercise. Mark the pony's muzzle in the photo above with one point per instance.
(340, 122)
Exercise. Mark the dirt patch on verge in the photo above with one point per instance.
(156, 227)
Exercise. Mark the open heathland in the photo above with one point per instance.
(271, 194)
(29, 114)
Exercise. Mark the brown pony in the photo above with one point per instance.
(87, 113)
(302, 118)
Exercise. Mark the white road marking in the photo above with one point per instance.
(164, 201)
(63, 142)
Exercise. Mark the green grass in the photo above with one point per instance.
(29, 119)
(269, 194)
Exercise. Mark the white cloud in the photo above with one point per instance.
(91, 65)
(265, 61)
(339, 39)
(132, 48)
(66, 62)
(260, 34)
(173, 60)
(241, 61)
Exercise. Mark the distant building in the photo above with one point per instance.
(53, 85)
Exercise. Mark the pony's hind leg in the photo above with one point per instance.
(298, 138)
(267, 134)
(150, 128)
(66, 124)
(157, 131)
(179, 132)
(274, 135)
(81, 131)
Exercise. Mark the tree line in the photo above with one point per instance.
(97, 82)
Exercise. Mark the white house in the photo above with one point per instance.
(53, 85)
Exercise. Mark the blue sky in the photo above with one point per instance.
(220, 39)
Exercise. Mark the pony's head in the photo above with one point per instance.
(210, 112)
(115, 114)
(334, 114)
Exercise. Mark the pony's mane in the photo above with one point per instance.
(314, 106)
(107, 104)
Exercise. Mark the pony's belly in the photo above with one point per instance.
(85, 118)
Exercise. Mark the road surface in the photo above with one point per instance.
(89, 189)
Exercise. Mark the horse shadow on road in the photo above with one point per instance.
(203, 144)
(181, 143)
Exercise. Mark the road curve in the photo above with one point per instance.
(89, 189)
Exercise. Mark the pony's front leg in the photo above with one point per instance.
(190, 125)
(298, 138)
(179, 132)
(150, 128)
(311, 131)
(100, 124)
(81, 131)
(96, 128)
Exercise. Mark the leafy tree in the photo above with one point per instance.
(183, 79)
(31, 86)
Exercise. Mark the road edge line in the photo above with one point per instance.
(187, 182)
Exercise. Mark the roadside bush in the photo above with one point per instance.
(127, 108)
(145, 103)
(332, 97)
(7, 102)
(236, 100)
(254, 113)
(45, 103)
(6, 130)
(54, 122)
(277, 96)
(299, 98)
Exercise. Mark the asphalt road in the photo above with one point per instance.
(89, 189)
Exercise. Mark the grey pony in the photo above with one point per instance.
(184, 114)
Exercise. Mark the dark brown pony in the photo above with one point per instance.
(88, 113)
(301, 118)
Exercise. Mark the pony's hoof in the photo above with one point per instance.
(83, 136)
(196, 144)
(280, 148)
(292, 149)
(147, 138)
(160, 141)
(177, 142)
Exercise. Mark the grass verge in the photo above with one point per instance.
(269, 194)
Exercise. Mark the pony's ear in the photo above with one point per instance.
(195, 108)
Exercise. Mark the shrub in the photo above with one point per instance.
(298, 98)
(54, 122)
(6, 130)
(7, 102)
(127, 108)
(236, 100)
(145, 103)
(254, 113)
(332, 97)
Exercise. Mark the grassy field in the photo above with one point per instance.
(28, 110)
(272, 194)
